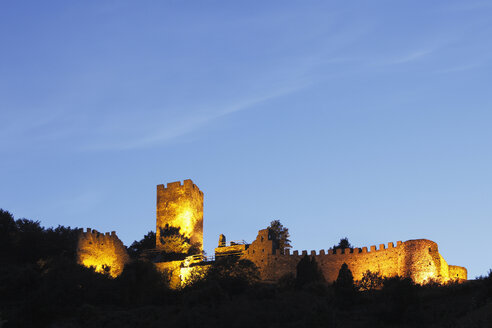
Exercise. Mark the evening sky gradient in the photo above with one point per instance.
(365, 119)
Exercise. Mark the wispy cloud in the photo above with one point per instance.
(39, 125)
(166, 111)
(189, 123)
(413, 56)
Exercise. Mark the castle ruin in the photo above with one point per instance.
(180, 210)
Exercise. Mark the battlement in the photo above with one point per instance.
(344, 251)
(178, 185)
(418, 259)
(99, 236)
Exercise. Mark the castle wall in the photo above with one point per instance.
(181, 206)
(102, 251)
(416, 259)
(260, 252)
(458, 273)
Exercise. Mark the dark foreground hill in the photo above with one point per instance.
(42, 286)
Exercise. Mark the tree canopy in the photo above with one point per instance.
(344, 243)
(280, 235)
(137, 248)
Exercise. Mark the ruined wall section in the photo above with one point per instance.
(416, 259)
(105, 252)
(180, 206)
(238, 249)
(261, 252)
(458, 273)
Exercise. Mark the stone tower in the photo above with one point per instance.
(180, 206)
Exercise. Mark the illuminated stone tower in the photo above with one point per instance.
(180, 206)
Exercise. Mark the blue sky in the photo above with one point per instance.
(365, 119)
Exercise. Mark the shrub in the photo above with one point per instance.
(370, 280)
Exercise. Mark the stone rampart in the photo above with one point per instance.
(417, 259)
(103, 251)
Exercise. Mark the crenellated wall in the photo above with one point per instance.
(102, 251)
(180, 206)
(417, 259)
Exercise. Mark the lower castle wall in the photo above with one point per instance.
(171, 271)
(179, 275)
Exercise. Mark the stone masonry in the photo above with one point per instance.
(417, 259)
(180, 206)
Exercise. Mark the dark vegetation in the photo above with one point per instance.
(344, 243)
(42, 286)
(280, 235)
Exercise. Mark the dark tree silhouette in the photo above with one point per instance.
(137, 248)
(8, 232)
(345, 278)
(26, 240)
(232, 274)
(280, 235)
(344, 287)
(308, 271)
(344, 243)
(141, 283)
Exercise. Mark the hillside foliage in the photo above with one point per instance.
(41, 285)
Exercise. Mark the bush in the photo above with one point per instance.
(399, 293)
(232, 275)
(141, 283)
(370, 281)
